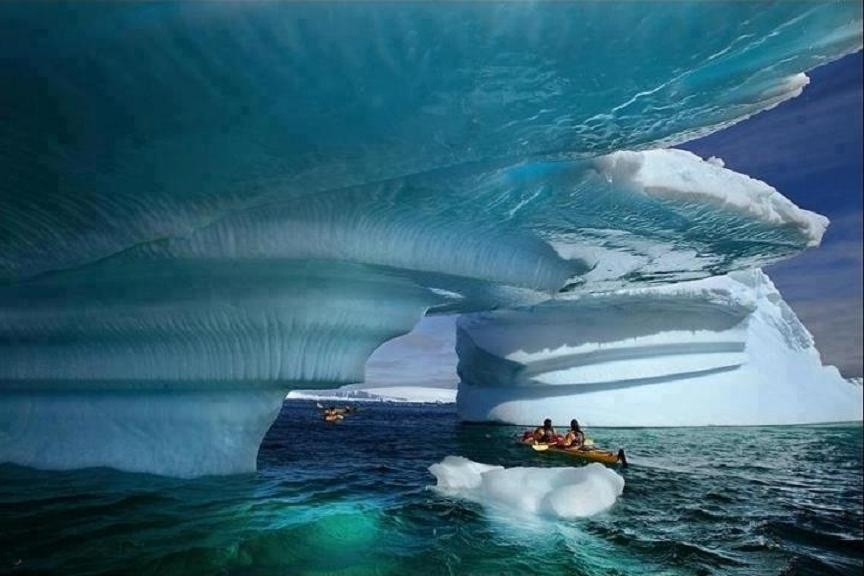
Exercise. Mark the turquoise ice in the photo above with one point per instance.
(207, 205)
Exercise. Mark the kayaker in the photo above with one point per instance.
(332, 415)
(545, 434)
(332, 410)
(574, 438)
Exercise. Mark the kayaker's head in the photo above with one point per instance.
(547, 423)
(574, 425)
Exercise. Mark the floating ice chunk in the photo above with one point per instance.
(558, 492)
(457, 473)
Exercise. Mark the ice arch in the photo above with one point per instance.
(204, 206)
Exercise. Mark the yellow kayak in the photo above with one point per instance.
(588, 454)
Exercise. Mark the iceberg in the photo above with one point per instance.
(725, 351)
(206, 206)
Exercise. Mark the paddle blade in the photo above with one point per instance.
(540, 447)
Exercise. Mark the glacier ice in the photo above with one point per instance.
(139, 123)
(180, 433)
(218, 200)
(304, 293)
(725, 350)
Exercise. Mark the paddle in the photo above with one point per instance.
(540, 447)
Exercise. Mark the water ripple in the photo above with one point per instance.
(353, 499)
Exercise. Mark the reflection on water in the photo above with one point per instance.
(352, 498)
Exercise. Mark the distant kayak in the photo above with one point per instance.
(334, 414)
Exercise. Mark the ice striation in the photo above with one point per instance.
(725, 350)
(209, 205)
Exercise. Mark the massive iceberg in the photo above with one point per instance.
(205, 206)
(725, 350)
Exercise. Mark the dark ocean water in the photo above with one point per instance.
(352, 498)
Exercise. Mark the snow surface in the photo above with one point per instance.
(562, 492)
(720, 351)
(249, 198)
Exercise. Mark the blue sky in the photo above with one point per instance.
(810, 149)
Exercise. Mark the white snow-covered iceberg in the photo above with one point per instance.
(407, 394)
(229, 201)
(720, 351)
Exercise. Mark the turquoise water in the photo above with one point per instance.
(352, 498)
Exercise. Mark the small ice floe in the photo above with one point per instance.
(557, 492)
